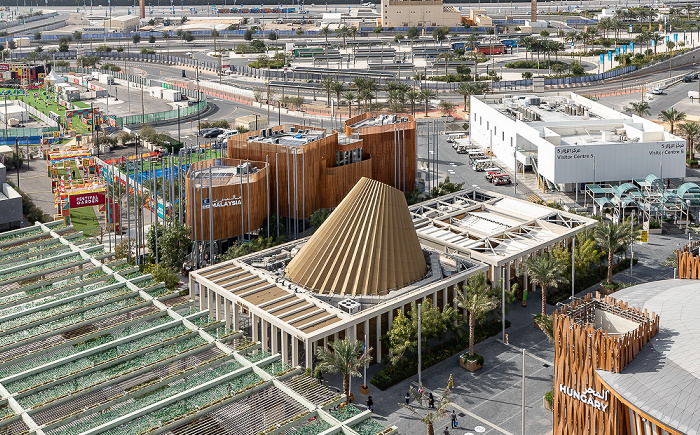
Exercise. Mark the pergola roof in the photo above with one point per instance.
(491, 228)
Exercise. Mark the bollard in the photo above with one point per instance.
(674, 273)
(506, 338)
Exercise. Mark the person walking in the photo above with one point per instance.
(447, 432)
(408, 398)
(453, 418)
(431, 400)
(370, 404)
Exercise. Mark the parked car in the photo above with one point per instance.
(688, 78)
(657, 91)
(214, 133)
(204, 131)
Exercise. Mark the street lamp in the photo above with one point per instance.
(687, 218)
(632, 244)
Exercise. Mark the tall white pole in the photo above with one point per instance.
(523, 396)
(365, 350)
(419, 345)
(503, 306)
(573, 265)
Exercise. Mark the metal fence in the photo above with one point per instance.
(564, 81)
(140, 81)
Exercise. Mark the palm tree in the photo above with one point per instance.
(327, 85)
(346, 358)
(430, 417)
(477, 299)
(338, 88)
(641, 108)
(426, 95)
(344, 32)
(546, 271)
(672, 116)
(411, 97)
(467, 89)
(691, 131)
(611, 238)
(325, 31)
(349, 97)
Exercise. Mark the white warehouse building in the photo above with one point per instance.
(568, 139)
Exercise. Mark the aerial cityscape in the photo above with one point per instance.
(373, 218)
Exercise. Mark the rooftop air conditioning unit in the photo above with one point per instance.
(293, 129)
(262, 132)
(350, 306)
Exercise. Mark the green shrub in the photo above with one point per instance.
(408, 366)
(532, 64)
(692, 162)
(654, 224)
(549, 397)
(477, 357)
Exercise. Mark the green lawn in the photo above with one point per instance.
(209, 154)
(45, 104)
(84, 219)
(80, 105)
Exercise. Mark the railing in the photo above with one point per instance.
(140, 82)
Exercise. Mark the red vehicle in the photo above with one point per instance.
(488, 48)
(490, 172)
(501, 179)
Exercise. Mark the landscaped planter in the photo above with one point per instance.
(545, 404)
(470, 365)
(608, 291)
(655, 230)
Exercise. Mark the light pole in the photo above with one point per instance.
(419, 344)
(632, 244)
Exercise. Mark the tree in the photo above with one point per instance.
(426, 95)
(63, 44)
(691, 131)
(37, 36)
(546, 271)
(77, 35)
(183, 20)
(164, 274)
(272, 36)
(476, 298)
(446, 107)
(612, 238)
(327, 85)
(239, 250)
(344, 357)
(641, 108)
(343, 31)
(440, 33)
(173, 244)
(577, 69)
(467, 89)
(125, 249)
(319, 217)
(349, 97)
(413, 32)
(544, 33)
(136, 38)
(412, 96)
(248, 35)
(325, 31)
(11, 44)
(151, 39)
(445, 188)
(428, 417)
(338, 88)
(672, 116)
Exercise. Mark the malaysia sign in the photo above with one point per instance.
(588, 396)
(86, 199)
(226, 202)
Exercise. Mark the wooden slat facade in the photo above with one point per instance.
(228, 221)
(392, 148)
(580, 350)
(688, 263)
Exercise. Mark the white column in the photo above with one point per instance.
(454, 299)
(508, 276)
(308, 350)
(254, 326)
(352, 333)
(264, 335)
(217, 307)
(202, 298)
(495, 274)
(366, 328)
(236, 316)
(275, 347)
(335, 336)
(391, 318)
(285, 346)
(435, 299)
(210, 302)
(378, 330)
(227, 312)
(295, 350)
(444, 297)
(325, 341)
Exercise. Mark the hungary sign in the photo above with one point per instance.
(86, 199)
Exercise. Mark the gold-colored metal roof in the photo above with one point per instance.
(367, 246)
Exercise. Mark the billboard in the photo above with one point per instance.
(86, 199)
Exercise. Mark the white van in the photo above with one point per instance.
(225, 135)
